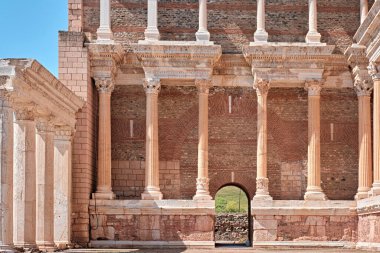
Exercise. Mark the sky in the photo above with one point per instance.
(29, 29)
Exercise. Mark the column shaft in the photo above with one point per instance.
(104, 31)
(313, 36)
(314, 190)
(261, 35)
(262, 182)
(45, 186)
(151, 32)
(62, 187)
(152, 186)
(376, 138)
(104, 180)
(363, 10)
(24, 181)
(202, 192)
(203, 34)
(6, 170)
(365, 146)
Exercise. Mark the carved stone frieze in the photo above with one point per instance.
(152, 86)
(314, 87)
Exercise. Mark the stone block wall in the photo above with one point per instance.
(74, 73)
(305, 228)
(369, 228)
(232, 140)
(231, 23)
(75, 15)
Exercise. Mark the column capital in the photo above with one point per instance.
(63, 133)
(314, 87)
(373, 71)
(203, 85)
(261, 86)
(45, 125)
(105, 84)
(152, 85)
(363, 87)
(25, 113)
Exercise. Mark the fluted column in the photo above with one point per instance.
(261, 34)
(151, 32)
(363, 90)
(262, 181)
(363, 10)
(375, 74)
(62, 186)
(152, 184)
(6, 170)
(104, 31)
(202, 34)
(203, 180)
(24, 180)
(45, 185)
(313, 36)
(314, 190)
(105, 87)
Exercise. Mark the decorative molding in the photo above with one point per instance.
(314, 87)
(152, 86)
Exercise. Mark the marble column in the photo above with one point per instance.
(24, 180)
(152, 185)
(151, 32)
(363, 90)
(313, 36)
(202, 33)
(261, 35)
(262, 181)
(375, 74)
(203, 180)
(314, 190)
(363, 10)
(62, 186)
(104, 31)
(45, 186)
(6, 170)
(105, 87)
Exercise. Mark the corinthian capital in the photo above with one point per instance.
(203, 85)
(373, 71)
(314, 87)
(104, 84)
(363, 87)
(27, 113)
(261, 86)
(152, 85)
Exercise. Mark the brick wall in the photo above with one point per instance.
(231, 23)
(74, 73)
(232, 139)
(75, 15)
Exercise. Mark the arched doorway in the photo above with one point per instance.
(233, 217)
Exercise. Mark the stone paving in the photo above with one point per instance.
(222, 250)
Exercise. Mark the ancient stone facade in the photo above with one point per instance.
(184, 97)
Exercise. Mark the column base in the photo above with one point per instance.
(375, 190)
(105, 36)
(103, 195)
(6, 247)
(152, 195)
(25, 245)
(202, 196)
(362, 194)
(315, 195)
(202, 36)
(313, 37)
(152, 34)
(46, 246)
(261, 36)
(262, 197)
